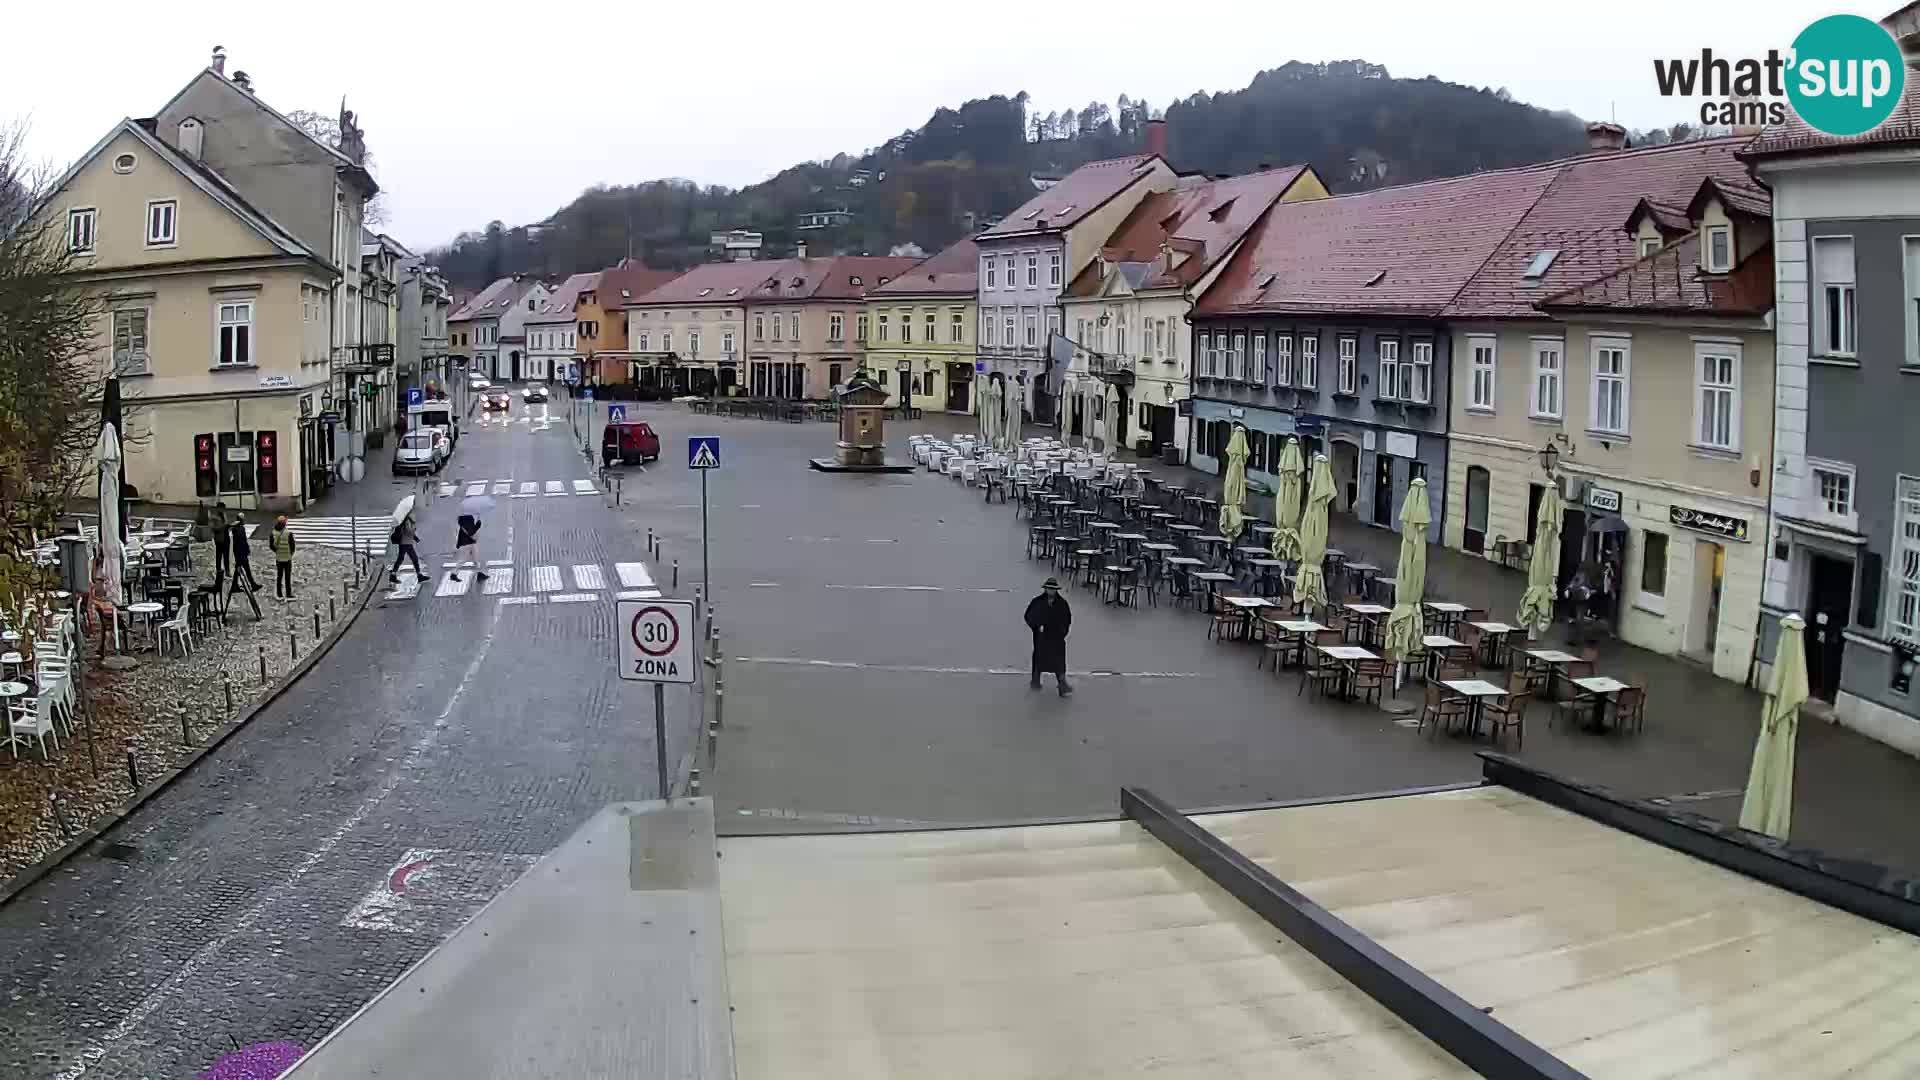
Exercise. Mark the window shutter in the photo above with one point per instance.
(1833, 260)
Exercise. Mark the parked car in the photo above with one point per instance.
(499, 401)
(422, 450)
(627, 442)
(478, 382)
(534, 394)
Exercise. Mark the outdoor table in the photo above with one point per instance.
(1358, 573)
(1265, 530)
(146, 610)
(1130, 540)
(1251, 552)
(1437, 646)
(1383, 588)
(1370, 617)
(1492, 632)
(1116, 574)
(1555, 660)
(1211, 539)
(1447, 611)
(1039, 541)
(1091, 557)
(1270, 573)
(1346, 654)
(1213, 579)
(1476, 691)
(1249, 607)
(9, 690)
(1601, 689)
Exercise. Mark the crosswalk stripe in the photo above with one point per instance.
(499, 581)
(633, 575)
(519, 600)
(407, 589)
(639, 594)
(528, 489)
(447, 489)
(554, 488)
(546, 579)
(573, 598)
(478, 487)
(585, 487)
(501, 487)
(587, 576)
(499, 562)
(341, 532)
(454, 583)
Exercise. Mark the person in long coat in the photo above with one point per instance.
(1049, 617)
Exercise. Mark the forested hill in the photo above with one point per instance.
(1357, 125)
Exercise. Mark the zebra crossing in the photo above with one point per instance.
(367, 534)
(576, 583)
(518, 489)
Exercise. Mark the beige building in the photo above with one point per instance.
(918, 330)
(803, 322)
(685, 336)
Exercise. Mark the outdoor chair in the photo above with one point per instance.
(1039, 541)
(1278, 647)
(1151, 577)
(1126, 587)
(1630, 707)
(1067, 558)
(1442, 708)
(31, 718)
(1370, 679)
(1508, 714)
(1180, 588)
(176, 630)
(1225, 619)
(1321, 672)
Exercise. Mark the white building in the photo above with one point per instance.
(553, 333)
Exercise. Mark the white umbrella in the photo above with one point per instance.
(1016, 396)
(107, 455)
(476, 504)
(985, 411)
(402, 508)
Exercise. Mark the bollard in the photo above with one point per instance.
(676, 573)
(343, 584)
(316, 622)
(693, 782)
(649, 541)
(719, 705)
(60, 816)
(332, 615)
(226, 683)
(293, 644)
(186, 729)
(133, 767)
(263, 665)
(713, 743)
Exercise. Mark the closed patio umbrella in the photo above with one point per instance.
(1768, 806)
(1310, 585)
(1286, 502)
(107, 459)
(1536, 604)
(1232, 516)
(1016, 397)
(985, 411)
(1404, 625)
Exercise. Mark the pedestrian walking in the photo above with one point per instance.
(405, 536)
(222, 543)
(1049, 617)
(467, 543)
(281, 541)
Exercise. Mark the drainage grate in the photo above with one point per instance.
(119, 852)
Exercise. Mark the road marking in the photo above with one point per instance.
(587, 576)
(763, 584)
(454, 584)
(405, 589)
(633, 575)
(501, 487)
(852, 665)
(456, 565)
(914, 588)
(519, 600)
(749, 506)
(448, 489)
(499, 562)
(528, 489)
(499, 581)
(478, 487)
(639, 594)
(585, 487)
(554, 487)
(546, 579)
(573, 597)
(503, 480)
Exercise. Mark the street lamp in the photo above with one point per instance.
(1549, 457)
(905, 368)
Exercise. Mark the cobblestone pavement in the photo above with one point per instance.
(424, 763)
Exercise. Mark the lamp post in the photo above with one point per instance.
(1549, 458)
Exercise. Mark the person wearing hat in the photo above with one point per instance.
(1049, 617)
(281, 541)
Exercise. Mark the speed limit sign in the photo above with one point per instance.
(656, 641)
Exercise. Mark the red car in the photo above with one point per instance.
(627, 442)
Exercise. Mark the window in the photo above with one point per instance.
(236, 462)
(1719, 249)
(1159, 337)
(1237, 364)
(1211, 355)
(130, 341)
(1545, 402)
(883, 376)
(836, 327)
(1349, 365)
(932, 323)
(236, 333)
(1905, 619)
(1653, 564)
(1833, 491)
(1033, 270)
(1053, 268)
(986, 326)
(793, 326)
(1006, 269)
(776, 328)
(80, 231)
(956, 328)
(1422, 371)
(1718, 411)
(1833, 274)
(726, 342)
(1610, 394)
(885, 328)
(1033, 329)
(860, 328)
(1283, 360)
(1913, 301)
(906, 327)
(1480, 389)
(1649, 245)
(666, 341)
(1120, 338)
(1260, 358)
(640, 341)
(1006, 326)
(759, 328)
(160, 222)
(1389, 369)
(693, 343)
(1309, 363)
(992, 274)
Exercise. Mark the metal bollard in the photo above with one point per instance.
(332, 614)
(186, 729)
(60, 816)
(676, 573)
(263, 665)
(649, 541)
(133, 767)
(226, 683)
(293, 643)
(343, 584)
(316, 622)
(719, 705)
(713, 743)
(693, 783)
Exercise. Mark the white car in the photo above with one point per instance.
(422, 450)
(478, 382)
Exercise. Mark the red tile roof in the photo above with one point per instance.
(1670, 282)
(1669, 220)
(836, 277)
(709, 283)
(1579, 216)
(1417, 245)
(558, 307)
(1204, 219)
(628, 280)
(1077, 194)
(494, 300)
(954, 271)
(1795, 137)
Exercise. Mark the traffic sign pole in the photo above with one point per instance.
(706, 581)
(660, 738)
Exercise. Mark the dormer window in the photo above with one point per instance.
(1649, 245)
(855, 279)
(704, 292)
(1541, 263)
(1719, 249)
(733, 291)
(1064, 211)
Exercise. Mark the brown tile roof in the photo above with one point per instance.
(1670, 282)
(1579, 216)
(709, 283)
(836, 277)
(494, 300)
(558, 307)
(1399, 250)
(1795, 137)
(1077, 194)
(1738, 194)
(1205, 220)
(628, 280)
(1670, 220)
(954, 271)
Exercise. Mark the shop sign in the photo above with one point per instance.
(1599, 498)
(1733, 528)
(1402, 444)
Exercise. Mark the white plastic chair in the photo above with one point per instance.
(56, 683)
(180, 631)
(32, 718)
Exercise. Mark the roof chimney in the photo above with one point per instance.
(1604, 136)
(1157, 137)
(244, 81)
(219, 60)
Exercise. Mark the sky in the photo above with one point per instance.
(483, 111)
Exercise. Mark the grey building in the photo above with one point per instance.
(1845, 538)
(422, 346)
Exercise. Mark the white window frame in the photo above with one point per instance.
(956, 327)
(990, 274)
(124, 363)
(1537, 408)
(1033, 329)
(1649, 245)
(1033, 270)
(1120, 338)
(931, 324)
(860, 327)
(640, 342)
(836, 326)
(1349, 373)
(793, 326)
(1702, 350)
(1210, 355)
(759, 328)
(1717, 232)
(170, 237)
(1599, 381)
(693, 343)
(1389, 384)
(1007, 329)
(906, 326)
(1283, 359)
(1008, 266)
(1053, 324)
(883, 329)
(1422, 371)
(987, 318)
(1910, 252)
(82, 224)
(228, 332)
(1237, 359)
(1053, 268)
(1903, 597)
(1817, 508)
(726, 342)
(1259, 372)
(666, 340)
(1839, 341)
(1160, 338)
(1309, 368)
(1482, 375)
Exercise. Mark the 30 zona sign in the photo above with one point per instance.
(657, 641)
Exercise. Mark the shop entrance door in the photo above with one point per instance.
(1383, 489)
(1829, 597)
(1709, 573)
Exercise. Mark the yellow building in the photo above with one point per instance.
(217, 320)
(919, 330)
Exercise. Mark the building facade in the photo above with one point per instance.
(685, 336)
(492, 326)
(424, 346)
(1844, 549)
(803, 318)
(555, 332)
(926, 353)
(607, 356)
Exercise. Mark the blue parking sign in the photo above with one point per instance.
(586, 393)
(616, 414)
(413, 395)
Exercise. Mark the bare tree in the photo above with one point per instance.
(327, 130)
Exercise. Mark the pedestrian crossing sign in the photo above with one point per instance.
(616, 414)
(703, 452)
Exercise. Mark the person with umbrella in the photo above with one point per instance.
(467, 539)
(406, 534)
(282, 543)
(1049, 617)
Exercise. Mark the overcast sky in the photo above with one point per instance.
(476, 111)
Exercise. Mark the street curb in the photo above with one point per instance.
(33, 873)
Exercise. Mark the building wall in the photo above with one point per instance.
(1021, 301)
(1161, 376)
(203, 228)
(929, 362)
